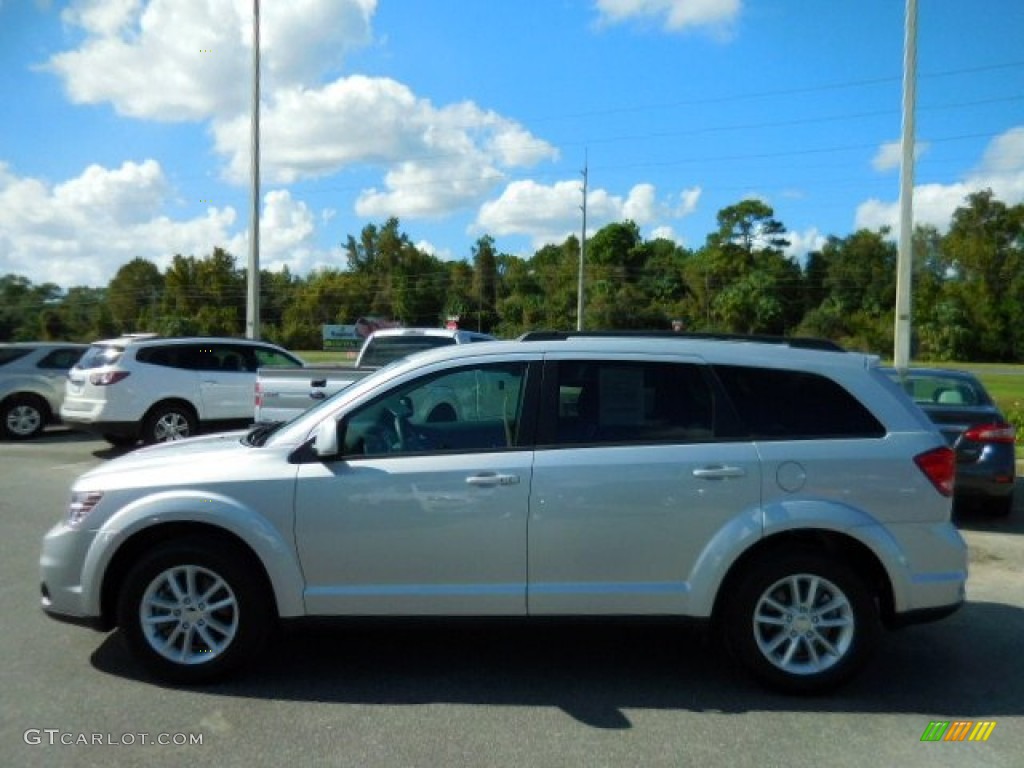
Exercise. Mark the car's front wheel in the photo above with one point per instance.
(192, 612)
(801, 622)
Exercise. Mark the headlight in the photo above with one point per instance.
(82, 503)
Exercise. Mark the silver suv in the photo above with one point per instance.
(157, 389)
(795, 499)
(32, 376)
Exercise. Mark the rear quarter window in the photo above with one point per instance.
(795, 405)
(11, 354)
(60, 359)
(170, 356)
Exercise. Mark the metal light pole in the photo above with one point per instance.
(252, 306)
(901, 346)
(583, 254)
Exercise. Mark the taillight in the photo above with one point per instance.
(991, 433)
(257, 395)
(106, 378)
(939, 466)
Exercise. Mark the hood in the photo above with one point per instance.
(196, 456)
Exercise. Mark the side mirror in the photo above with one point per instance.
(325, 442)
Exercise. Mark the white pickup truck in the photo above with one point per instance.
(283, 393)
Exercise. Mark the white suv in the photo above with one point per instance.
(160, 389)
(794, 499)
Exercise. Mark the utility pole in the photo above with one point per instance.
(583, 252)
(252, 305)
(904, 261)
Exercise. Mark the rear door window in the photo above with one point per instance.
(621, 402)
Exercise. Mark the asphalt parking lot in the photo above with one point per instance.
(492, 694)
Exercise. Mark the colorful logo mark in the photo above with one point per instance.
(958, 730)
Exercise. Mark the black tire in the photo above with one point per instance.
(196, 642)
(22, 417)
(828, 639)
(169, 421)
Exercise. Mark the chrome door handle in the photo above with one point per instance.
(491, 479)
(714, 473)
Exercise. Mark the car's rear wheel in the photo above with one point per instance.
(801, 622)
(169, 421)
(23, 416)
(192, 612)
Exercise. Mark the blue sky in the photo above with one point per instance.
(126, 122)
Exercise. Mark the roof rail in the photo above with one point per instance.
(798, 342)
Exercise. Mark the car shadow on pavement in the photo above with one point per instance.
(1012, 523)
(964, 666)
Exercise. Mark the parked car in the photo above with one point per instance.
(793, 499)
(283, 393)
(157, 389)
(976, 429)
(32, 376)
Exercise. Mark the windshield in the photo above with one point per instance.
(99, 355)
(941, 388)
(386, 349)
(297, 430)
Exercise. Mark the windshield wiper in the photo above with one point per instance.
(260, 431)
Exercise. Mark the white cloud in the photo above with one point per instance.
(101, 17)
(1001, 169)
(81, 231)
(802, 243)
(288, 237)
(641, 204)
(666, 233)
(1005, 153)
(550, 213)
(676, 15)
(545, 213)
(890, 155)
(445, 254)
(438, 159)
(175, 60)
(688, 200)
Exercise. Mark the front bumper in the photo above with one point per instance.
(62, 564)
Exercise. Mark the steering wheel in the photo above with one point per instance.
(400, 411)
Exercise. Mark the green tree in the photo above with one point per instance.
(742, 281)
(22, 305)
(485, 284)
(133, 295)
(984, 250)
